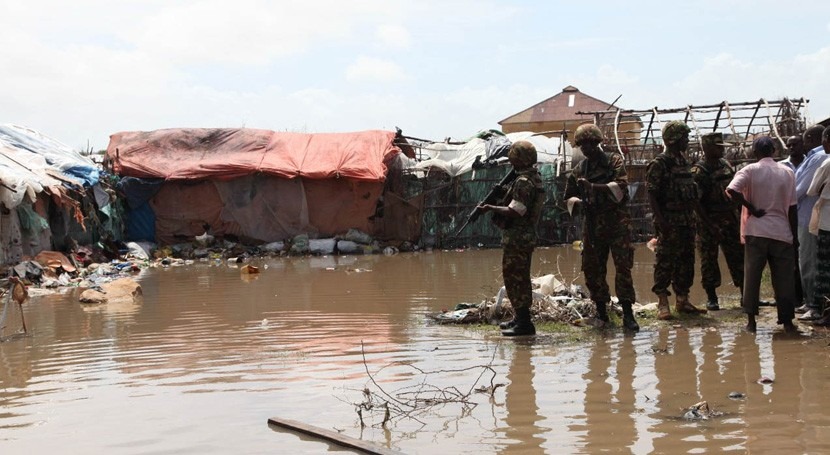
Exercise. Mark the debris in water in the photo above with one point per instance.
(249, 269)
(700, 411)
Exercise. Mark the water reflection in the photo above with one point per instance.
(609, 396)
(523, 430)
(207, 357)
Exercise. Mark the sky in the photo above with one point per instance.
(79, 71)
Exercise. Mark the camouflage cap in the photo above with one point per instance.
(712, 139)
(674, 131)
(523, 154)
(587, 131)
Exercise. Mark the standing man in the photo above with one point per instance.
(820, 226)
(808, 243)
(795, 146)
(719, 225)
(600, 184)
(766, 190)
(518, 219)
(673, 196)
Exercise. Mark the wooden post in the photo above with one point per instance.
(331, 436)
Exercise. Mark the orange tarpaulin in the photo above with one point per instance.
(198, 153)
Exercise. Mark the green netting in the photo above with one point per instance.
(30, 221)
(448, 203)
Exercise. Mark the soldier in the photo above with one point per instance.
(720, 223)
(517, 217)
(673, 196)
(599, 183)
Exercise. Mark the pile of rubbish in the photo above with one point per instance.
(553, 301)
(83, 268)
(92, 266)
(206, 248)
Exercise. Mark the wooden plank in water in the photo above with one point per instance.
(331, 436)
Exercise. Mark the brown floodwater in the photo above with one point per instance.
(210, 354)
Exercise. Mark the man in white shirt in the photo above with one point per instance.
(820, 226)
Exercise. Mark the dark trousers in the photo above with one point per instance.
(675, 260)
(595, 266)
(822, 291)
(760, 251)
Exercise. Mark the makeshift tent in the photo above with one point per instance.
(37, 172)
(457, 159)
(256, 185)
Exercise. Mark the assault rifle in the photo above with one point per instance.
(494, 195)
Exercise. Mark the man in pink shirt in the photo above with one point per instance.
(766, 190)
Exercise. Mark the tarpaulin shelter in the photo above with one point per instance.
(452, 178)
(256, 185)
(40, 179)
(457, 159)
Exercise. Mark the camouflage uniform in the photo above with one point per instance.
(712, 181)
(606, 228)
(669, 179)
(519, 236)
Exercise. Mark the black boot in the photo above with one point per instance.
(523, 324)
(602, 314)
(712, 304)
(629, 323)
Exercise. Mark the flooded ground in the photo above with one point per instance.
(210, 354)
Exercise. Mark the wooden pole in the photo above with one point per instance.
(717, 118)
(331, 436)
(757, 106)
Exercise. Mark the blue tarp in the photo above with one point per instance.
(141, 224)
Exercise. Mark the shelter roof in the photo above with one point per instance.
(225, 153)
(559, 107)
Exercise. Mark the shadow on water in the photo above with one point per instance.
(207, 357)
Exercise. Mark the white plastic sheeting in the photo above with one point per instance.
(31, 162)
(457, 159)
(22, 176)
(60, 156)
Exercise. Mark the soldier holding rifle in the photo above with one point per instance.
(517, 216)
(599, 184)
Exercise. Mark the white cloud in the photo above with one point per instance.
(727, 77)
(607, 74)
(393, 37)
(375, 69)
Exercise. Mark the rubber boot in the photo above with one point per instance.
(629, 323)
(663, 312)
(682, 305)
(751, 325)
(712, 303)
(524, 325)
(602, 314)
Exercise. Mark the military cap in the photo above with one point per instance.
(674, 131)
(523, 153)
(712, 139)
(587, 131)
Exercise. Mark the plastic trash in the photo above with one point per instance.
(321, 246)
